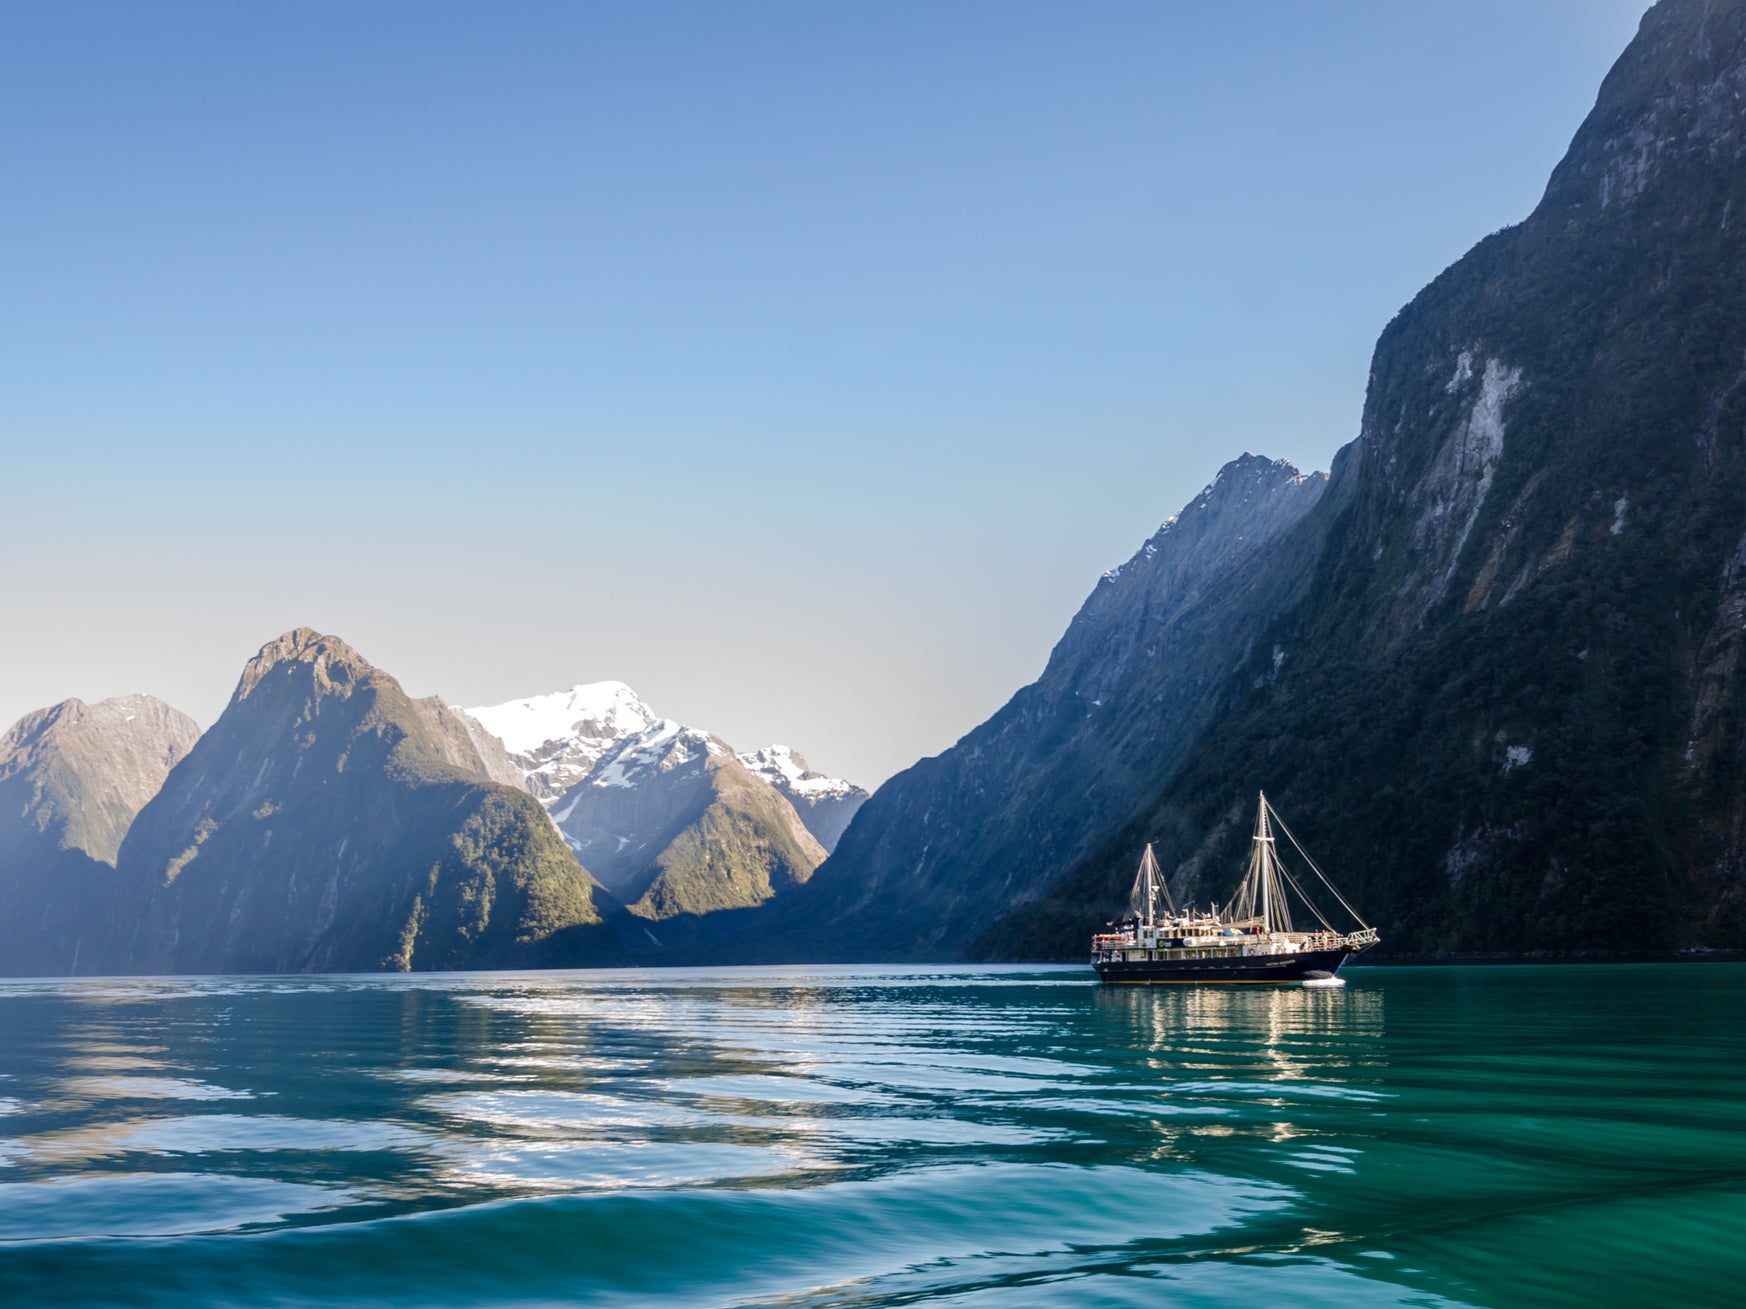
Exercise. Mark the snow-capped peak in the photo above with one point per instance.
(660, 748)
(788, 772)
(596, 711)
(600, 740)
(558, 738)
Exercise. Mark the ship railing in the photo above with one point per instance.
(1327, 940)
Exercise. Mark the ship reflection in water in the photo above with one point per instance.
(876, 1136)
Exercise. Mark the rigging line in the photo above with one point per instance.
(1149, 883)
(1303, 895)
(1242, 904)
(1314, 866)
(1163, 882)
(1308, 858)
(1282, 904)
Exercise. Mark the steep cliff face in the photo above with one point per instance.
(943, 848)
(328, 822)
(1509, 709)
(72, 779)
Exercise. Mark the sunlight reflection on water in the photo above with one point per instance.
(850, 1136)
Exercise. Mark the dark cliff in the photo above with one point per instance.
(1509, 709)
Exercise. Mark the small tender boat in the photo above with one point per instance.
(1250, 939)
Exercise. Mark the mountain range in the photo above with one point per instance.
(1489, 666)
(1491, 672)
(683, 831)
(1509, 704)
(329, 822)
(946, 847)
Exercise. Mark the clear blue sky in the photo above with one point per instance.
(802, 365)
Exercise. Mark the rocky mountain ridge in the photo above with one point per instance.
(83, 771)
(682, 830)
(294, 838)
(944, 848)
(329, 822)
(1508, 709)
(825, 804)
(73, 778)
(557, 739)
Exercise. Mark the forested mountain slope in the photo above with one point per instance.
(329, 822)
(1508, 711)
(945, 847)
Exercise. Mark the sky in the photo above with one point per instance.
(802, 365)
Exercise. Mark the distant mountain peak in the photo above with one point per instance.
(785, 769)
(955, 840)
(557, 739)
(91, 767)
(72, 779)
(668, 816)
(661, 747)
(330, 821)
(592, 710)
(825, 804)
(335, 664)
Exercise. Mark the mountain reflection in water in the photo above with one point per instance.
(874, 1136)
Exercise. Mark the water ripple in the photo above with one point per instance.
(835, 1137)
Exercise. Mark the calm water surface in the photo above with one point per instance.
(973, 1137)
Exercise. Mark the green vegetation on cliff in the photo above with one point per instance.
(745, 848)
(1508, 712)
(328, 822)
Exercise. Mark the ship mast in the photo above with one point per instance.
(1261, 897)
(1264, 862)
(1149, 888)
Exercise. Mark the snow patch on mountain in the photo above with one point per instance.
(576, 747)
(660, 748)
(557, 739)
(788, 772)
(593, 711)
(825, 804)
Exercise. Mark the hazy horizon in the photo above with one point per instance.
(801, 367)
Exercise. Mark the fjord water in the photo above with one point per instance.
(896, 1136)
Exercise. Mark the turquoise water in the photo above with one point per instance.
(972, 1137)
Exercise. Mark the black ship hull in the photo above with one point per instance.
(1233, 968)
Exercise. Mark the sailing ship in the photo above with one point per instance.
(1249, 939)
